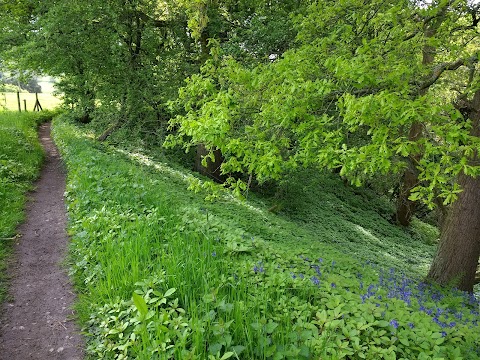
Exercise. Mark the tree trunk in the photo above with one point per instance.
(212, 170)
(406, 207)
(458, 252)
(457, 256)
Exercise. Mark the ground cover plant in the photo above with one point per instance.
(20, 159)
(164, 274)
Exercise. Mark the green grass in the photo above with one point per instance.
(329, 277)
(20, 159)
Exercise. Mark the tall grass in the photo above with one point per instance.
(164, 274)
(20, 159)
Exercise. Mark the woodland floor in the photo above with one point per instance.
(36, 321)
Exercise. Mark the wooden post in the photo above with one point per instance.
(24, 104)
(18, 98)
(37, 106)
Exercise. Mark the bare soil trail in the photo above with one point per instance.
(36, 322)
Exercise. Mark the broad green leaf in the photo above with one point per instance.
(140, 304)
(169, 292)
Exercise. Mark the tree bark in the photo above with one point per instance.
(212, 170)
(459, 249)
(458, 253)
(405, 206)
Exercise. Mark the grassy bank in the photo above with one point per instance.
(20, 159)
(164, 274)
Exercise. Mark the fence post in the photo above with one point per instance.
(18, 99)
(25, 105)
(37, 106)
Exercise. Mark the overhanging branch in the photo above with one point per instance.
(441, 68)
(148, 19)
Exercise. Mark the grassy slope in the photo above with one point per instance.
(20, 159)
(246, 281)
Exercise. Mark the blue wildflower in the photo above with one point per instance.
(259, 268)
(317, 269)
(394, 323)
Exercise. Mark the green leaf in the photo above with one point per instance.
(227, 355)
(270, 327)
(140, 304)
(169, 292)
(256, 326)
(238, 349)
(215, 348)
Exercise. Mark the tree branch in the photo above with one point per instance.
(441, 68)
(148, 19)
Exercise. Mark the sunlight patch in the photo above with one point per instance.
(188, 179)
(367, 233)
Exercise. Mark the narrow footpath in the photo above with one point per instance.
(36, 322)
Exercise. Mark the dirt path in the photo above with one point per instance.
(36, 322)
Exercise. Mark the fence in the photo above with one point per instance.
(10, 101)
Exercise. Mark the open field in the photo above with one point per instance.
(47, 100)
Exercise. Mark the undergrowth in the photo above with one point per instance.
(164, 274)
(20, 160)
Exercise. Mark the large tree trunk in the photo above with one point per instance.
(457, 256)
(459, 249)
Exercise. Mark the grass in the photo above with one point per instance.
(20, 159)
(164, 274)
(47, 101)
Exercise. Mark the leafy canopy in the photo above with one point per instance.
(345, 98)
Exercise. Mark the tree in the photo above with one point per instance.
(457, 257)
(348, 98)
(125, 59)
(337, 84)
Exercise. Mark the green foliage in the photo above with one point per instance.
(128, 60)
(345, 98)
(425, 232)
(227, 279)
(20, 159)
